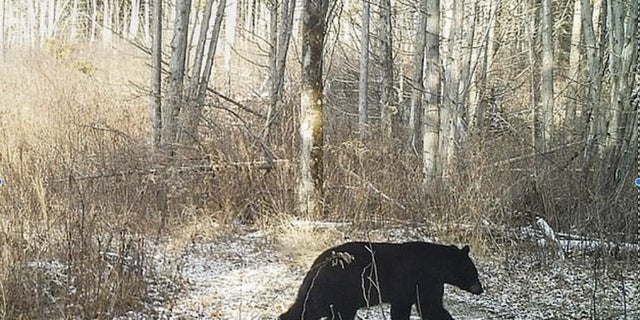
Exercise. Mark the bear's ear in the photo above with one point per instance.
(465, 249)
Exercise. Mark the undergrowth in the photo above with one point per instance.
(83, 202)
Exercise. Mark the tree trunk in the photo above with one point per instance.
(107, 22)
(3, 30)
(156, 77)
(431, 115)
(593, 111)
(534, 96)
(487, 62)
(311, 191)
(615, 28)
(570, 95)
(418, 72)
(134, 20)
(546, 90)
(281, 37)
(73, 32)
(230, 36)
(175, 94)
(94, 22)
(387, 108)
(363, 80)
(146, 22)
(190, 114)
(215, 35)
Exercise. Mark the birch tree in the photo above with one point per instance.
(175, 90)
(311, 191)
(156, 76)
(418, 72)
(574, 63)
(431, 113)
(190, 116)
(388, 110)
(280, 38)
(363, 80)
(134, 20)
(546, 90)
(593, 111)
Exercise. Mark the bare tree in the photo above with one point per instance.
(280, 38)
(311, 192)
(190, 116)
(546, 89)
(107, 22)
(486, 62)
(418, 72)
(175, 90)
(94, 20)
(156, 76)
(431, 115)
(134, 20)
(534, 96)
(363, 80)
(593, 111)
(574, 64)
(388, 109)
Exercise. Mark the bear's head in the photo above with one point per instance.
(464, 274)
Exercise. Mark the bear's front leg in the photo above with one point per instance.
(430, 303)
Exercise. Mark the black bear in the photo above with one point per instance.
(362, 274)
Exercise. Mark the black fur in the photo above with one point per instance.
(361, 274)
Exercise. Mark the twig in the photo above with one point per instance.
(374, 189)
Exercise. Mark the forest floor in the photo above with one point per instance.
(249, 274)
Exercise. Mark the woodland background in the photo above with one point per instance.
(125, 123)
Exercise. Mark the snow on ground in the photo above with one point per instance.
(244, 276)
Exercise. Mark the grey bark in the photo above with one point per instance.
(280, 38)
(311, 190)
(388, 108)
(593, 111)
(134, 20)
(431, 113)
(418, 72)
(175, 90)
(156, 77)
(363, 79)
(570, 95)
(546, 90)
(191, 115)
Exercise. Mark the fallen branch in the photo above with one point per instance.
(375, 190)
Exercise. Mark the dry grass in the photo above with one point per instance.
(66, 251)
(80, 201)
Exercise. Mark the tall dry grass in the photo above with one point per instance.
(81, 199)
(72, 245)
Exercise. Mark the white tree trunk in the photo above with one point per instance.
(418, 72)
(363, 80)
(230, 37)
(431, 115)
(546, 90)
(176, 75)
(155, 105)
(134, 20)
(387, 107)
(571, 92)
(94, 22)
(107, 22)
(593, 111)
